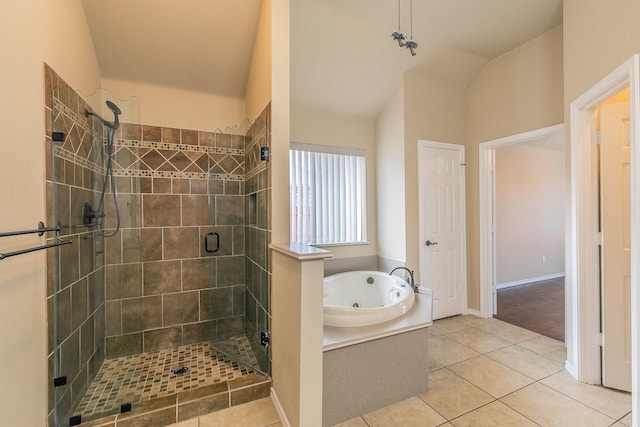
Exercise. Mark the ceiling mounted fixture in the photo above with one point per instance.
(399, 36)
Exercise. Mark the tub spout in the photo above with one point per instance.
(412, 282)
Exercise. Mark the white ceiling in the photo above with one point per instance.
(342, 56)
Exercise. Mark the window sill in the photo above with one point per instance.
(328, 245)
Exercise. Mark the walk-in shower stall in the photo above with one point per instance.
(165, 286)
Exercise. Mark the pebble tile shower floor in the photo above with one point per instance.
(139, 378)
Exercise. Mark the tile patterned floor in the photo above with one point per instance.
(139, 378)
(484, 372)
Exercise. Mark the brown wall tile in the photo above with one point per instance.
(181, 242)
(161, 277)
(203, 406)
(180, 308)
(189, 137)
(198, 273)
(216, 303)
(151, 133)
(123, 281)
(151, 244)
(171, 135)
(123, 345)
(159, 339)
(161, 210)
(139, 314)
(163, 417)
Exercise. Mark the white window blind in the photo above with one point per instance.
(327, 194)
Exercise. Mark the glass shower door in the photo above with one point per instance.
(239, 214)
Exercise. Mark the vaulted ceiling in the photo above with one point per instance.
(343, 58)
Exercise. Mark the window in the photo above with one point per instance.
(327, 194)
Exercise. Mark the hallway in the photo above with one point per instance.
(538, 307)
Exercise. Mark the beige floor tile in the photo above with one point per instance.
(478, 340)
(354, 422)
(507, 332)
(278, 424)
(627, 420)
(471, 320)
(494, 414)
(526, 362)
(451, 395)
(447, 352)
(448, 325)
(434, 364)
(189, 423)
(614, 403)
(408, 413)
(548, 407)
(490, 376)
(258, 413)
(547, 347)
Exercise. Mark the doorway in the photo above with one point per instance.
(528, 234)
(489, 279)
(584, 299)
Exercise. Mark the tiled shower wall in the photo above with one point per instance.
(152, 286)
(78, 270)
(174, 187)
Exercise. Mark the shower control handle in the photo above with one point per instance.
(206, 242)
(430, 243)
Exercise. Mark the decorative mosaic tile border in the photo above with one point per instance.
(176, 174)
(78, 160)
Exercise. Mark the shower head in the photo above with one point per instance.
(116, 112)
(113, 107)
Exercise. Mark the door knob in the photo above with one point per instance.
(430, 243)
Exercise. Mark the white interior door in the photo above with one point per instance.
(616, 246)
(442, 226)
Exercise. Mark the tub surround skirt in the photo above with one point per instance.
(370, 367)
(371, 375)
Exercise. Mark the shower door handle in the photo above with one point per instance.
(206, 242)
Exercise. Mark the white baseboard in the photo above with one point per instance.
(529, 280)
(571, 370)
(279, 410)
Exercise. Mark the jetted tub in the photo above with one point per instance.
(361, 298)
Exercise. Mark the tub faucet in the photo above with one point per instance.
(412, 283)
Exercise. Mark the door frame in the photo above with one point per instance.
(583, 320)
(463, 209)
(487, 209)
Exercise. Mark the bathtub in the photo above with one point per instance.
(362, 298)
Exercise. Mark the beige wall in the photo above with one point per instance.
(390, 183)
(434, 111)
(52, 31)
(519, 91)
(259, 81)
(529, 210)
(339, 130)
(599, 36)
(181, 109)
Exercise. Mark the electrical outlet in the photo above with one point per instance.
(544, 259)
